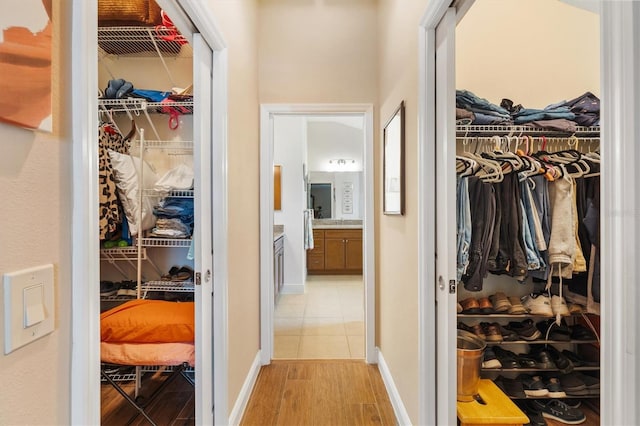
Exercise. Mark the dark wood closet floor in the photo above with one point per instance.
(175, 406)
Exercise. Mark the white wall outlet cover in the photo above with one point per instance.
(28, 306)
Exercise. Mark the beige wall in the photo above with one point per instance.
(238, 23)
(35, 228)
(398, 269)
(317, 51)
(534, 52)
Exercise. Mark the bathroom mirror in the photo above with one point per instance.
(393, 163)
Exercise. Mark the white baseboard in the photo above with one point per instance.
(243, 398)
(292, 289)
(402, 417)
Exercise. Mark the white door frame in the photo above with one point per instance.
(85, 327)
(620, 134)
(267, 112)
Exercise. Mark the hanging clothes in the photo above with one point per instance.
(110, 213)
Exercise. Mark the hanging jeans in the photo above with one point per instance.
(464, 225)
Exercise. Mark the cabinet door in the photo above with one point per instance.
(353, 254)
(334, 253)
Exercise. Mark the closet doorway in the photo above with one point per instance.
(192, 19)
(438, 130)
(301, 293)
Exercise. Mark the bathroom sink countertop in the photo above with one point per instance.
(336, 224)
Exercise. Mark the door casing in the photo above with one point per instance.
(191, 16)
(620, 134)
(267, 113)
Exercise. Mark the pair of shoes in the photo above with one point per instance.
(533, 413)
(537, 304)
(108, 288)
(558, 410)
(489, 359)
(177, 274)
(561, 361)
(578, 361)
(507, 358)
(554, 387)
(475, 329)
(472, 305)
(128, 289)
(579, 384)
(552, 331)
(525, 329)
(533, 385)
(543, 359)
(491, 331)
(500, 302)
(517, 308)
(512, 387)
(580, 332)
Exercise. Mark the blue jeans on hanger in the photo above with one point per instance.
(464, 225)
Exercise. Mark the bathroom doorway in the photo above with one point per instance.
(310, 310)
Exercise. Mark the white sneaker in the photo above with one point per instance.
(537, 304)
(558, 306)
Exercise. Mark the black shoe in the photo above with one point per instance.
(573, 385)
(108, 288)
(506, 358)
(554, 386)
(552, 331)
(533, 413)
(563, 363)
(580, 332)
(513, 388)
(558, 410)
(533, 385)
(526, 361)
(577, 360)
(543, 358)
(592, 383)
(525, 329)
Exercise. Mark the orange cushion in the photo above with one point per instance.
(148, 321)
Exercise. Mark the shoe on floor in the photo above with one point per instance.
(558, 410)
(537, 304)
(534, 415)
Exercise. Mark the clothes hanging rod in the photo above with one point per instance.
(519, 130)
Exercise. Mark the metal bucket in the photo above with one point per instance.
(470, 349)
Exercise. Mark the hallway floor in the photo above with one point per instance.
(325, 322)
(320, 392)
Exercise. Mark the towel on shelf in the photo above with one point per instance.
(308, 230)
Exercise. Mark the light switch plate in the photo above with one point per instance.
(28, 306)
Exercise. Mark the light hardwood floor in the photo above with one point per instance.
(325, 322)
(317, 393)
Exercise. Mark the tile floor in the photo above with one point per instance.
(325, 322)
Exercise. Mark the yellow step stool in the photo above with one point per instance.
(499, 410)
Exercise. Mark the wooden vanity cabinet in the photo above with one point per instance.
(337, 251)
